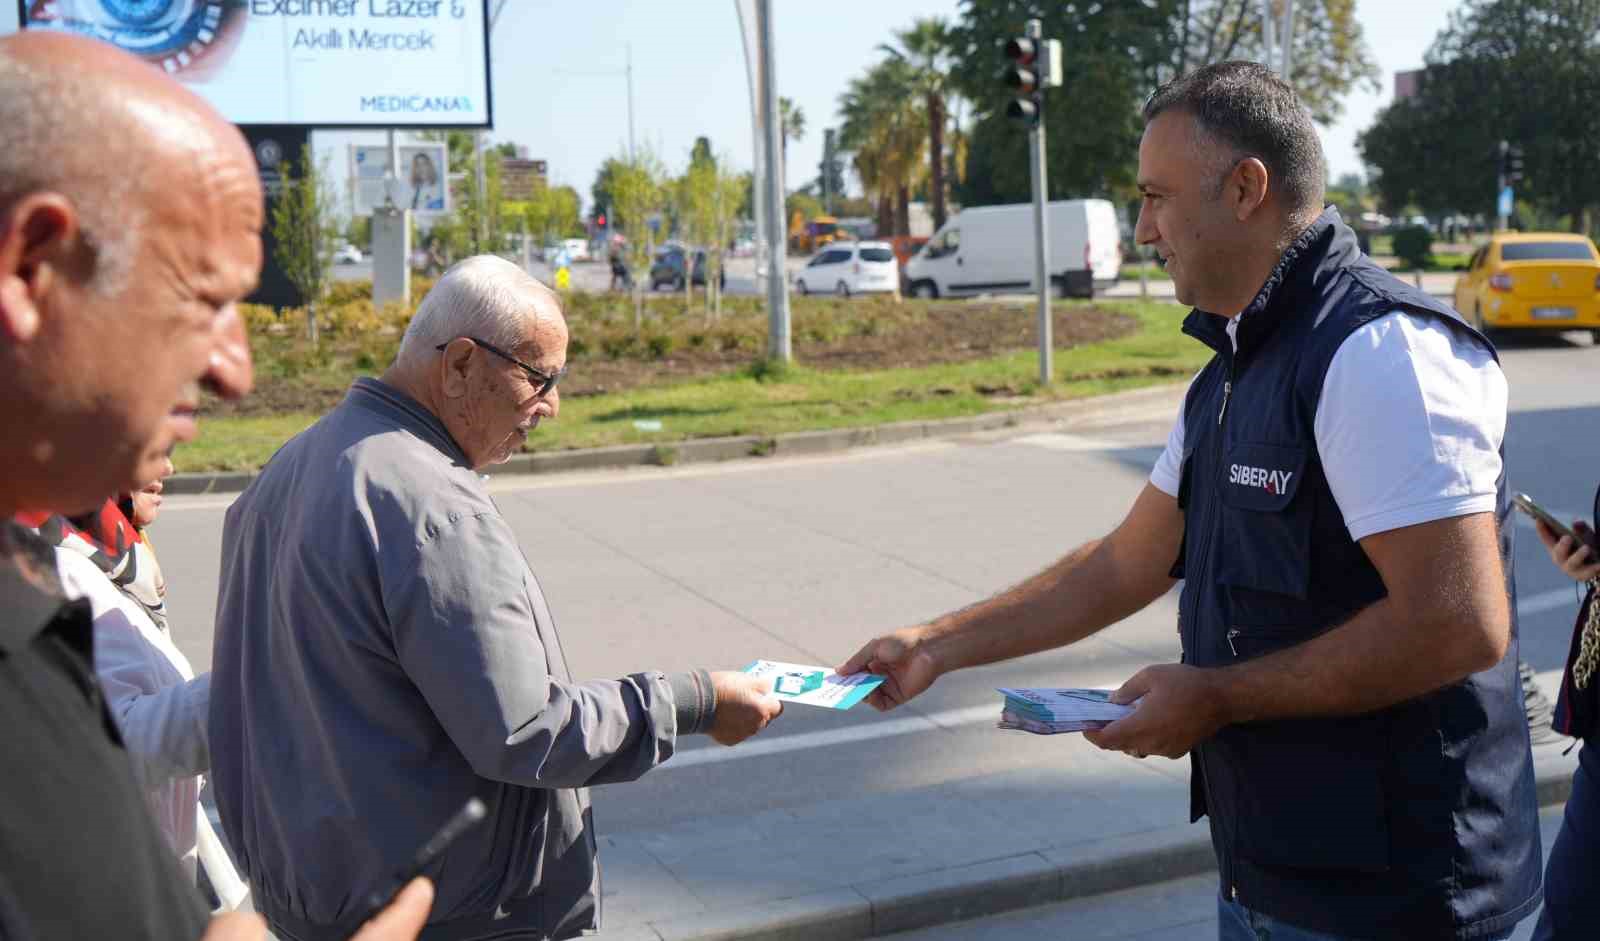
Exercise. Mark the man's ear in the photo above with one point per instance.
(1247, 185)
(36, 237)
(455, 362)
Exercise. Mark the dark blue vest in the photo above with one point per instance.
(1419, 821)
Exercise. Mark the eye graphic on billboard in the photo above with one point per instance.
(322, 63)
(191, 38)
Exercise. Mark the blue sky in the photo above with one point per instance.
(559, 86)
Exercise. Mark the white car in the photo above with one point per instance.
(347, 254)
(577, 249)
(846, 268)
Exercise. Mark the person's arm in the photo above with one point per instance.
(1446, 617)
(1094, 586)
(163, 727)
(165, 730)
(465, 633)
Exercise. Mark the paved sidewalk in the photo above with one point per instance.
(1091, 823)
(1179, 910)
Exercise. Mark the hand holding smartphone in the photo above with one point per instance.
(1527, 505)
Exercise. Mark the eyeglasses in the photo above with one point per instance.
(543, 381)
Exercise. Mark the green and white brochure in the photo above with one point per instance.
(815, 686)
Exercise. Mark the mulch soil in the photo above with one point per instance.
(947, 332)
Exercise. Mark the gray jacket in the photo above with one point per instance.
(383, 653)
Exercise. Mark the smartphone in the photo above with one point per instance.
(471, 813)
(1527, 505)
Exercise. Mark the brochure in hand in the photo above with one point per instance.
(815, 686)
(1051, 711)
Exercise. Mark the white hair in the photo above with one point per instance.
(62, 136)
(483, 296)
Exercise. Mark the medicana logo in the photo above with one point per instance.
(1261, 478)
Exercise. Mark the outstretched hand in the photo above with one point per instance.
(903, 659)
(745, 706)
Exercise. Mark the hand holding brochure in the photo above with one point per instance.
(1050, 711)
(815, 686)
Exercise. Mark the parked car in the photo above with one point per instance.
(990, 249)
(847, 268)
(1548, 281)
(667, 269)
(347, 254)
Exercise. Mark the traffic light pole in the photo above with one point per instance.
(1041, 231)
(1041, 251)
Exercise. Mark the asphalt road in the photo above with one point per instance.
(802, 560)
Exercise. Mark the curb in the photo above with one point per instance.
(794, 444)
(872, 909)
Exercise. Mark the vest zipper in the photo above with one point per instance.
(1233, 632)
(1227, 392)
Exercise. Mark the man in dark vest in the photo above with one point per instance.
(1333, 497)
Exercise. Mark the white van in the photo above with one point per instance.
(989, 250)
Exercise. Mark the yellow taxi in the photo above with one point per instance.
(1532, 281)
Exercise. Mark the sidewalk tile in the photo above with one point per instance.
(636, 887)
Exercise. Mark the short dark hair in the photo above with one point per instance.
(1243, 105)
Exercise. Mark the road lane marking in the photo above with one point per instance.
(953, 719)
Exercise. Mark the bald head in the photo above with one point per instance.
(105, 129)
(130, 220)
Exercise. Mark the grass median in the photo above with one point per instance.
(1116, 346)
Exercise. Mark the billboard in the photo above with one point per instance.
(422, 183)
(318, 63)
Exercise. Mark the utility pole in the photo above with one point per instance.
(778, 347)
(1036, 65)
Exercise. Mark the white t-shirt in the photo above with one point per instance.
(1408, 428)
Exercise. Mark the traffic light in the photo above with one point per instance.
(1510, 163)
(1035, 66)
(600, 218)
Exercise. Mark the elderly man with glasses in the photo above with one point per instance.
(384, 652)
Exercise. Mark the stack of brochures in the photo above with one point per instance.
(1049, 711)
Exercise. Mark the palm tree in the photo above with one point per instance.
(886, 126)
(925, 49)
(791, 125)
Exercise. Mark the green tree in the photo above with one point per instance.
(638, 190)
(792, 126)
(305, 225)
(1329, 54)
(727, 203)
(886, 126)
(1116, 55)
(926, 48)
(695, 194)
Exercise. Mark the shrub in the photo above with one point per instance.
(258, 317)
(1414, 246)
(659, 345)
(343, 292)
